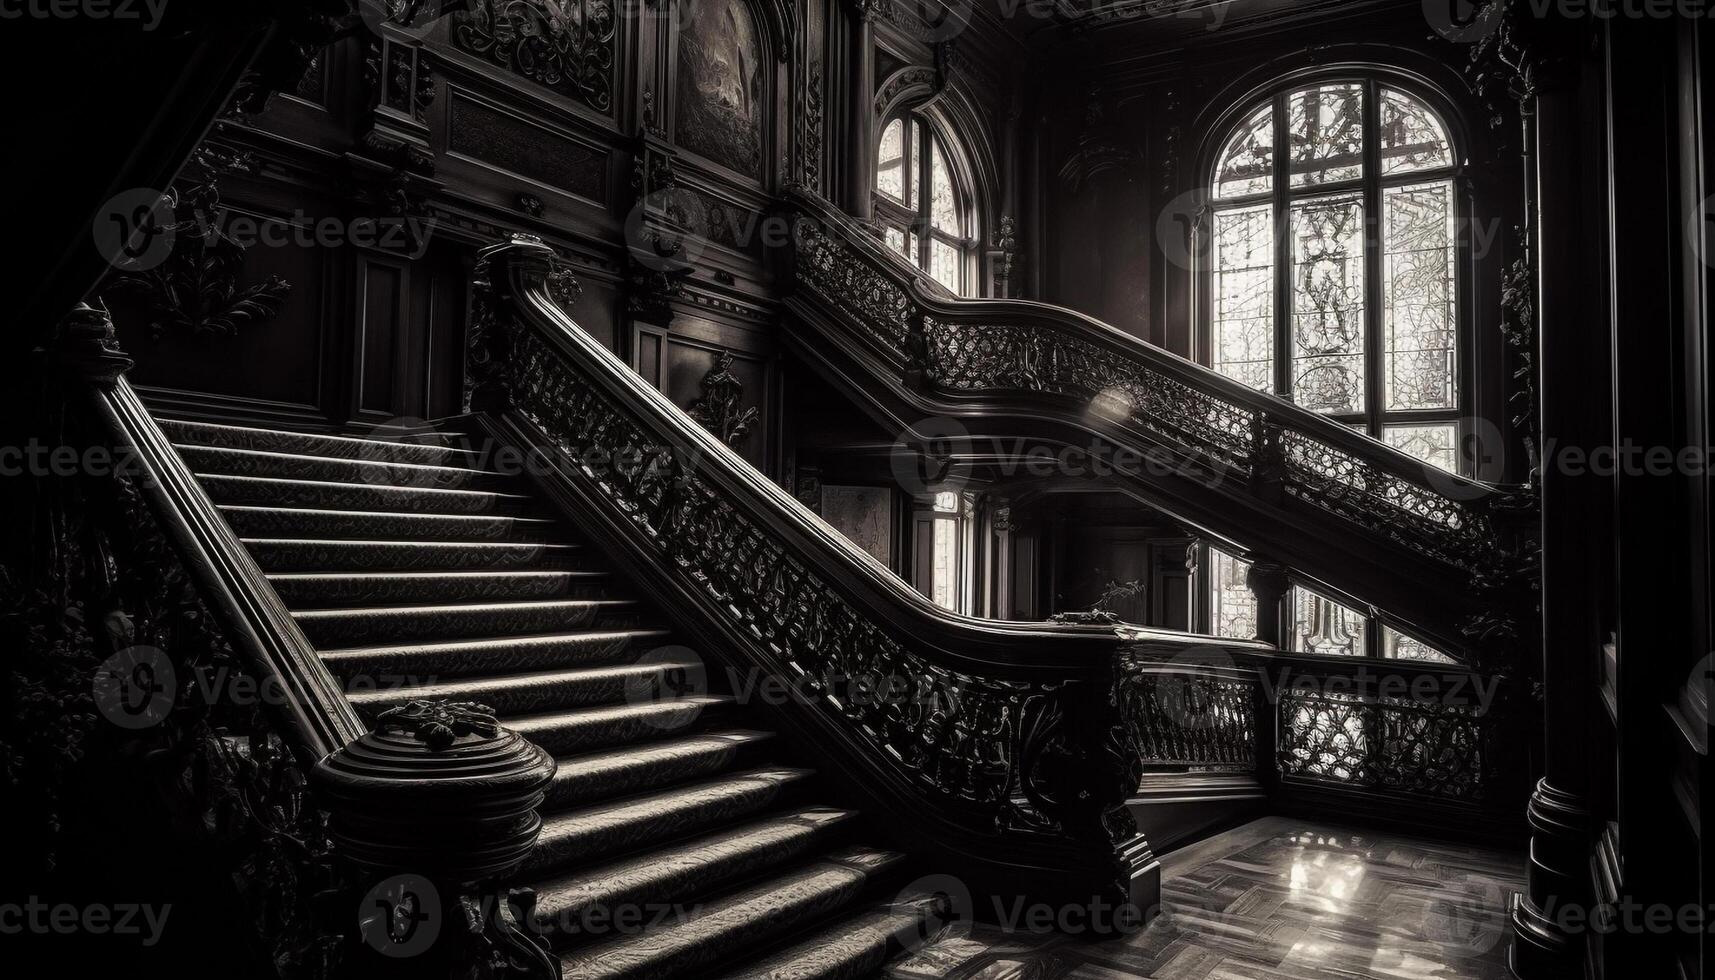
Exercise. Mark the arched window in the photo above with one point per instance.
(1333, 280)
(923, 210)
(1334, 261)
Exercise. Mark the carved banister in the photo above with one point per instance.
(1000, 746)
(1349, 512)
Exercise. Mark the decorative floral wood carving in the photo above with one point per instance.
(438, 724)
(564, 45)
(197, 290)
(721, 410)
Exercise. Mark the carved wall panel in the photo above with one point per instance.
(515, 144)
(863, 514)
(722, 90)
(564, 45)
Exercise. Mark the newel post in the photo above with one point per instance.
(434, 808)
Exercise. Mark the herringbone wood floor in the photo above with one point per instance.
(1280, 899)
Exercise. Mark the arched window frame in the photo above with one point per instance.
(1375, 419)
(909, 227)
(1314, 622)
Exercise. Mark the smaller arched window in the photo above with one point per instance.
(923, 210)
(1334, 261)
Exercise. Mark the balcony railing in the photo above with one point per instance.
(1429, 547)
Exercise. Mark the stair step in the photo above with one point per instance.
(647, 888)
(329, 495)
(360, 588)
(314, 444)
(577, 836)
(541, 691)
(855, 947)
(303, 522)
(493, 655)
(321, 555)
(591, 729)
(400, 624)
(584, 779)
(728, 927)
(255, 462)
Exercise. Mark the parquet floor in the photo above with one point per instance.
(1279, 899)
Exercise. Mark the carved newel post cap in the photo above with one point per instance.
(88, 347)
(436, 789)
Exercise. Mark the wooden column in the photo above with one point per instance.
(1268, 581)
(1564, 137)
(861, 98)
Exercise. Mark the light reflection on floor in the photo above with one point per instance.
(1280, 900)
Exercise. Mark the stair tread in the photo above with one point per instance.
(447, 493)
(476, 687)
(624, 825)
(222, 430)
(458, 646)
(676, 872)
(527, 724)
(482, 574)
(273, 455)
(467, 607)
(637, 768)
(394, 543)
(425, 516)
(855, 946)
(721, 929)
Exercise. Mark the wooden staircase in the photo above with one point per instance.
(677, 840)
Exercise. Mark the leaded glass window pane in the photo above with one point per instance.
(890, 176)
(1413, 137)
(1325, 627)
(1243, 335)
(1398, 646)
(946, 560)
(1247, 161)
(943, 202)
(1232, 605)
(1328, 304)
(1419, 259)
(896, 240)
(1436, 444)
(1326, 134)
(944, 261)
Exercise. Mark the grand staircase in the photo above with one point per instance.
(678, 838)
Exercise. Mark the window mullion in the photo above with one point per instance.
(1375, 386)
(1282, 251)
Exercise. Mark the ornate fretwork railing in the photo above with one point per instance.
(1193, 716)
(1000, 745)
(1284, 483)
(1357, 734)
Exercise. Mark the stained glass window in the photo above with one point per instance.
(921, 205)
(1325, 627)
(1232, 605)
(1333, 260)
